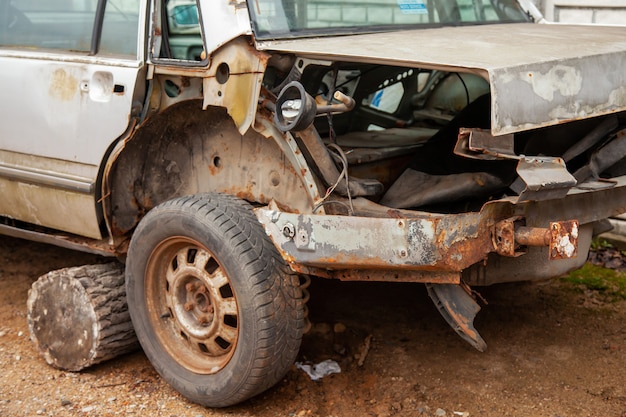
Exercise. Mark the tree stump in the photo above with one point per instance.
(78, 316)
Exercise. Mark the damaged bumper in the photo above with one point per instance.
(436, 248)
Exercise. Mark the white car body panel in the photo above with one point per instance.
(549, 69)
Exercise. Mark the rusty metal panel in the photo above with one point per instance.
(42, 205)
(41, 191)
(448, 243)
(345, 241)
(234, 81)
(504, 237)
(441, 277)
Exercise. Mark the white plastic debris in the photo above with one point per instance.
(319, 371)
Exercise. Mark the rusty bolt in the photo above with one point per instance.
(191, 287)
(202, 289)
(189, 306)
(289, 230)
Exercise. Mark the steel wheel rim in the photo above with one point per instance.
(191, 305)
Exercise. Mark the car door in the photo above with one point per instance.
(68, 77)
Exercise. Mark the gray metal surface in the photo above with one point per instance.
(540, 74)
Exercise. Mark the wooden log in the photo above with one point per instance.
(78, 316)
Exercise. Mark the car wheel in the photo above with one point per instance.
(215, 308)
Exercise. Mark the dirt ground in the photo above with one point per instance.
(554, 351)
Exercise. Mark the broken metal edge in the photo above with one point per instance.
(459, 309)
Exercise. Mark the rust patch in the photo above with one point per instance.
(467, 252)
(395, 214)
(564, 239)
(504, 237)
(435, 277)
(63, 86)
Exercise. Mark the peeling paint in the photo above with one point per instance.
(565, 80)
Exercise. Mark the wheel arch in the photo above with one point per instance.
(186, 150)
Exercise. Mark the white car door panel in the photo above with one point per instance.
(61, 110)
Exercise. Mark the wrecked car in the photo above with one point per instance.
(229, 150)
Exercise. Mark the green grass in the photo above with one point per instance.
(609, 282)
(597, 243)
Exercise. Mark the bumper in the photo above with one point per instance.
(426, 247)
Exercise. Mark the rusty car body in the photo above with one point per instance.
(455, 143)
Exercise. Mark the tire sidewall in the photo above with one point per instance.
(221, 388)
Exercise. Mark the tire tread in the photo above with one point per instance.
(277, 297)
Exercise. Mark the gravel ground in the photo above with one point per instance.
(554, 350)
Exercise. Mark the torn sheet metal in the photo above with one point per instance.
(481, 144)
(459, 309)
(540, 177)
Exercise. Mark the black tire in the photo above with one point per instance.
(214, 306)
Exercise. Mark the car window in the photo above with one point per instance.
(120, 28)
(389, 94)
(69, 25)
(182, 35)
(288, 18)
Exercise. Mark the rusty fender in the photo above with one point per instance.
(439, 242)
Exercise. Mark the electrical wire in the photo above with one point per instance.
(344, 172)
(341, 156)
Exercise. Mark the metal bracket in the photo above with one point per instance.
(510, 236)
(481, 144)
(542, 178)
(564, 239)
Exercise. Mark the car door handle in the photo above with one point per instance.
(101, 86)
